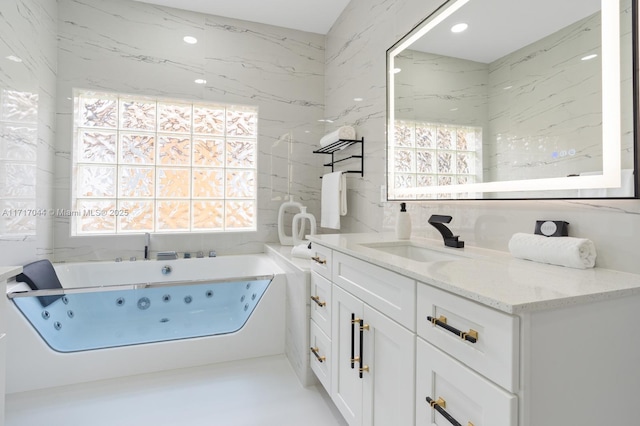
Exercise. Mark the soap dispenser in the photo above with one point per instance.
(403, 223)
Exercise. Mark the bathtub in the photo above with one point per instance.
(118, 319)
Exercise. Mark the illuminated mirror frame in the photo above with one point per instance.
(611, 97)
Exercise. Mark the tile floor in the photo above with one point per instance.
(256, 392)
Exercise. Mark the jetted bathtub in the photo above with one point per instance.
(115, 319)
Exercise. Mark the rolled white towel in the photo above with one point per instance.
(344, 132)
(564, 251)
(302, 251)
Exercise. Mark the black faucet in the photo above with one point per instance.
(450, 240)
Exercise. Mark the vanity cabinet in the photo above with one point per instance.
(372, 359)
(321, 360)
(373, 373)
(320, 329)
(495, 342)
(463, 350)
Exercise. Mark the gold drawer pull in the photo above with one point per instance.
(317, 354)
(317, 260)
(440, 406)
(317, 300)
(441, 321)
(440, 402)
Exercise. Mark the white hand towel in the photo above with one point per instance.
(302, 251)
(564, 251)
(344, 132)
(333, 203)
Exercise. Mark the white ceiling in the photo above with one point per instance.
(316, 16)
(499, 27)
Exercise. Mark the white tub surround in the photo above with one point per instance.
(6, 272)
(34, 365)
(297, 309)
(503, 341)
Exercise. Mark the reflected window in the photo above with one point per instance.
(435, 154)
(162, 165)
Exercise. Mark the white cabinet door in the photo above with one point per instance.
(389, 383)
(462, 393)
(346, 384)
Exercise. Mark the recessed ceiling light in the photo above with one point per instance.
(458, 28)
(586, 58)
(358, 99)
(14, 58)
(200, 81)
(190, 39)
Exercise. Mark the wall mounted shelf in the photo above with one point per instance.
(339, 145)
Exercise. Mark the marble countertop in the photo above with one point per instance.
(9, 272)
(490, 277)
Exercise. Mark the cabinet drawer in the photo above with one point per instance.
(469, 398)
(320, 360)
(321, 302)
(494, 354)
(321, 260)
(390, 293)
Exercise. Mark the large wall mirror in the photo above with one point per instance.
(515, 99)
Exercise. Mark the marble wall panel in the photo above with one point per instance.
(356, 66)
(28, 63)
(137, 48)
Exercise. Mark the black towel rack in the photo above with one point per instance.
(339, 145)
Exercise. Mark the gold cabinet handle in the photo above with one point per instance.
(440, 406)
(317, 260)
(317, 300)
(440, 402)
(470, 336)
(317, 354)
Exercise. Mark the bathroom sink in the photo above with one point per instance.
(413, 251)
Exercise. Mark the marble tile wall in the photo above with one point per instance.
(28, 62)
(356, 67)
(136, 48)
(540, 126)
(132, 47)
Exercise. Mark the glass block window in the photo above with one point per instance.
(428, 154)
(162, 165)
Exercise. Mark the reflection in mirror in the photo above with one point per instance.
(527, 100)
